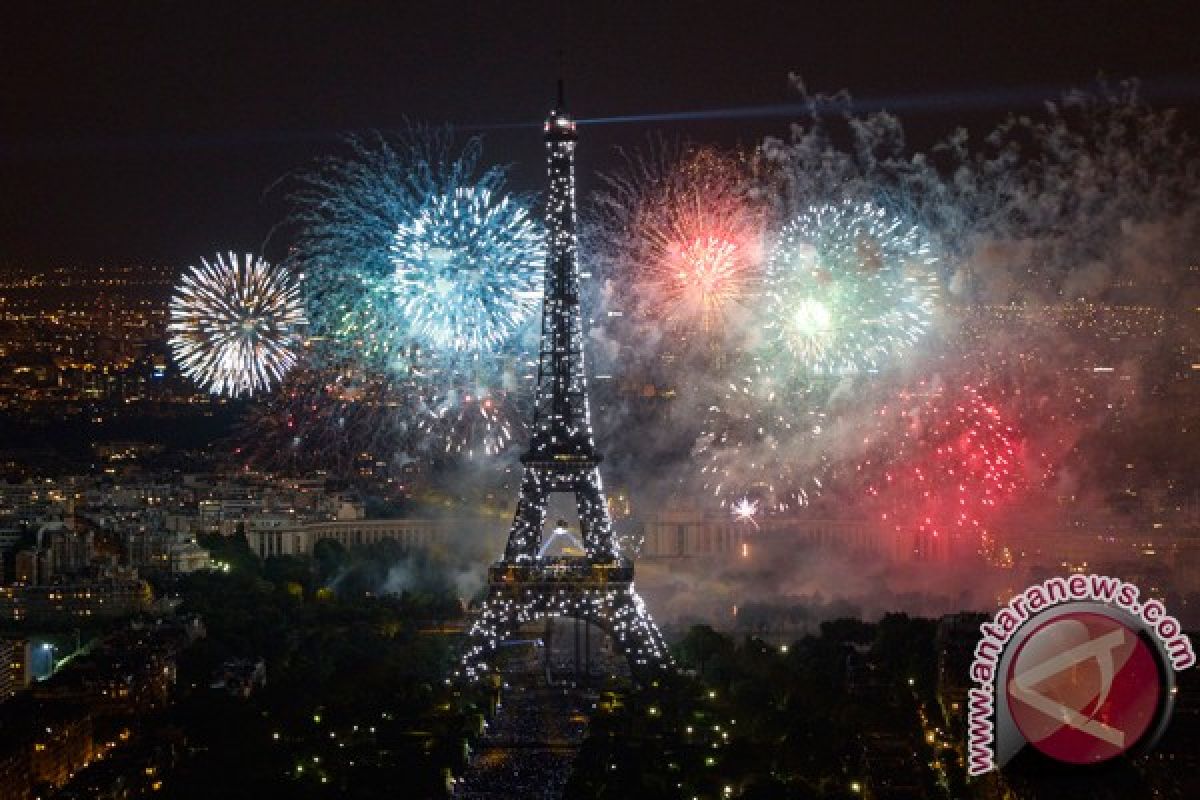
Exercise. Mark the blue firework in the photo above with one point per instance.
(407, 245)
(421, 266)
(468, 270)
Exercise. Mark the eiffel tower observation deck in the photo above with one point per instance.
(595, 584)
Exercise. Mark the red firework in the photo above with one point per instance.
(684, 224)
(941, 461)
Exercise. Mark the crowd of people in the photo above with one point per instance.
(529, 745)
(531, 742)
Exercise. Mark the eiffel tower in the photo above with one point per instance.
(526, 584)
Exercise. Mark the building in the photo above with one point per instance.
(63, 744)
(683, 534)
(15, 671)
(165, 551)
(254, 523)
(10, 539)
(70, 552)
(113, 596)
(696, 533)
(301, 539)
(15, 768)
(240, 676)
(31, 567)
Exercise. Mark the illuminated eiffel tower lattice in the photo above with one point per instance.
(529, 582)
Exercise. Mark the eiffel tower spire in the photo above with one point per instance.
(562, 423)
(562, 458)
(562, 454)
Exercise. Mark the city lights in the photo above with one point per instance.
(379, 501)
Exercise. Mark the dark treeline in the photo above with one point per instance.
(355, 699)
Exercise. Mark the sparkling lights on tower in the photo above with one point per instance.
(526, 584)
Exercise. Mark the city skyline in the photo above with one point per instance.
(881, 324)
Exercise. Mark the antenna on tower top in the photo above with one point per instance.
(562, 100)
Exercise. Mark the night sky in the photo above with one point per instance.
(148, 132)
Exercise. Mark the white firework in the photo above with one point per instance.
(849, 288)
(235, 324)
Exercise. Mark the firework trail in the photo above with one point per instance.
(761, 446)
(234, 324)
(331, 418)
(470, 422)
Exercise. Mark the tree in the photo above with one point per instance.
(330, 558)
(702, 644)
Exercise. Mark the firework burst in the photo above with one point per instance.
(424, 273)
(409, 244)
(469, 423)
(848, 288)
(234, 324)
(746, 510)
(681, 228)
(939, 464)
(332, 417)
(468, 270)
(760, 447)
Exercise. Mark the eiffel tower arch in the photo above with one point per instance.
(527, 584)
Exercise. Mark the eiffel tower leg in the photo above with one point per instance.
(617, 610)
(587, 649)
(500, 619)
(526, 535)
(594, 521)
(623, 615)
(644, 644)
(577, 649)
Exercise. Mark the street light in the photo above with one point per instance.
(48, 648)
